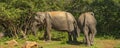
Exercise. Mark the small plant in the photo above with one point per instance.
(32, 38)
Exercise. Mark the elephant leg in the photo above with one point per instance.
(86, 31)
(74, 36)
(84, 40)
(90, 37)
(69, 36)
(48, 34)
(93, 35)
(34, 30)
(48, 26)
(34, 33)
(45, 36)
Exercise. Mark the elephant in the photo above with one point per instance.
(87, 23)
(58, 20)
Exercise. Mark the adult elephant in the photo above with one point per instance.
(87, 24)
(58, 20)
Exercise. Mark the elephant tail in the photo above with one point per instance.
(92, 13)
(84, 21)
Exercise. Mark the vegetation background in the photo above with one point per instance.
(16, 14)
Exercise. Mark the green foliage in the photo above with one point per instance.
(32, 38)
(107, 15)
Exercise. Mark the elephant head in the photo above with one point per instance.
(38, 22)
(40, 17)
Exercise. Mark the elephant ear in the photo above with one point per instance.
(92, 13)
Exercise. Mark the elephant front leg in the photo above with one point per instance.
(47, 36)
(48, 26)
(34, 30)
(47, 33)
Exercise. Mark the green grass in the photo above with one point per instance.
(99, 43)
(59, 41)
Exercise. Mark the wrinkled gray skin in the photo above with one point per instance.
(58, 20)
(87, 24)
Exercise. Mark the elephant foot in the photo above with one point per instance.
(69, 42)
(47, 40)
(91, 44)
(88, 45)
(75, 41)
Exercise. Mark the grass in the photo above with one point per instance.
(99, 43)
(59, 41)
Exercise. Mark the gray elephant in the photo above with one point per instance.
(58, 20)
(87, 24)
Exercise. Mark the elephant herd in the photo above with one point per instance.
(65, 21)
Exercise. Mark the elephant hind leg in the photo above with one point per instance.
(86, 31)
(74, 36)
(91, 38)
(93, 32)
(69, 36)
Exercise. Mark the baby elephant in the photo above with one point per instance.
(87, 24)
